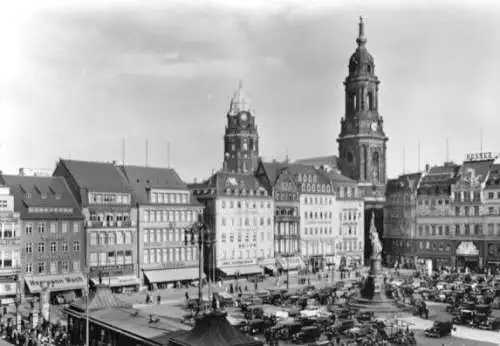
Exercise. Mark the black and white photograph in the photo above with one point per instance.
(249, 172)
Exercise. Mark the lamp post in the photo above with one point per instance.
(17, 302)
(87, 295)
(198, 234)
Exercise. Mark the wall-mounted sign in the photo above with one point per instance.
(481, 156)
(237, 262)
(55, 282)
(467, 248)
(112, 270)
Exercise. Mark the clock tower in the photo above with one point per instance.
(362, 140)
(241, 140)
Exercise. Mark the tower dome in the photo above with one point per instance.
(361, 61)
(240, 102)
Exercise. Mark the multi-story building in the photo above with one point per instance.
(362, 139)
(457, 218)
(165, 209)
(282, 185)
(491, 198)
(348, 219)
(10, 249)
(111, 235)
(239, 213)
(52, 236)
(318, 216)
(239, 210)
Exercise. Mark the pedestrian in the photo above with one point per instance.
(158, 299)
(256, 285)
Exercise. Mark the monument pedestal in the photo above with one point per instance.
(374, 300)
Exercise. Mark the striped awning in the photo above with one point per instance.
(242, 270)
(172, 275)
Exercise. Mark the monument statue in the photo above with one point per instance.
(374, 238)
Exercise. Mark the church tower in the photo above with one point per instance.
(241, 139)
(362, 140)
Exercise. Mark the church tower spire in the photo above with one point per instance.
(362, 140)
(241, 139)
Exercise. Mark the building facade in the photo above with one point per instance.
(281, 183)
(457, 219)
(52, 237)
(239, 213)
(111, 235)
(10, 249)
(165, 209)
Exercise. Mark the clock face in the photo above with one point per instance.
(374, 126)
(243, 116)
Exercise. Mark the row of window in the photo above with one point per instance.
(349, 245)
(460, 229)
(246, 221)
(164, 235)
(224, 254)
(286, 196)
(318, 200)
(43, 227)
(53, 247)
(321, 215)
(493, 195)
(8, 231)
(110, 237)
(110, 258)
(350, 215)
(169, 198)
(50, 210)
(41, 267)
(111, 198)
(224, 237)
(307, 178)
(170, 216)
(318, 230)
(433, 202)
(9, 258)
(317, 188)
(245, 205)
(152, 256)
(108, 217)
(466, 196)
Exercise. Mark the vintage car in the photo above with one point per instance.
(307, 334)
(365, 316)
(439, 329)
(466, 317)
(254, 312)
(254, 326)
(489, 323)
(285, 331)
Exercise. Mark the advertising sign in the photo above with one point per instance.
(481, 156)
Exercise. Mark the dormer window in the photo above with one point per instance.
(27, 195)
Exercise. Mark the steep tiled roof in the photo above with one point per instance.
(493, 180)
(330, 160)
(337, 177)
(44, 193)
(440, 176)
(96, 176)
(139, 178)
(273, 170)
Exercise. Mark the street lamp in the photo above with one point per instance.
(86, 272)
(198, 234)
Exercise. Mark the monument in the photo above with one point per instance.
(371, 296)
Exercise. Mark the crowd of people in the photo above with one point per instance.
(45, 334)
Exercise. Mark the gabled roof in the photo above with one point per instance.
(96, 176)
(474, 172)
(329, 160)
(405, 182)
(273, 170)
(493, 181)
(42, 192)
(336, 176)
(213, 330)
(140, 178)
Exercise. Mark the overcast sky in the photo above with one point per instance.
(78, 77)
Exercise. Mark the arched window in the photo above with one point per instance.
(376, 166)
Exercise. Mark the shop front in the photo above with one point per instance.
(238, 269)
(467, 254)
(8, 292)
(121, 278)
(171, 277)
(56, 289)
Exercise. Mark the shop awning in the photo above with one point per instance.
(171, 275)
(55, 283)
(242, 270)
(117, 281)
(270, 267)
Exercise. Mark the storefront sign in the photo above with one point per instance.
(55, 282)
(467, 248)
(481, 156)
(7, 301)
(111, 270)
(8, 289)
(237, 262)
